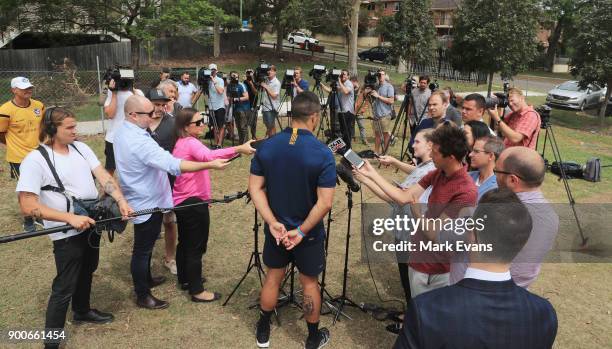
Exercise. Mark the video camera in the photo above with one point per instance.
(434, 85)
(370, 80)
(333, 75)
(499, 98)
(233, 87)
(122, 75)
(317, 72)
(204, 78)
(288, 79)
(261, 72)
(544, 112)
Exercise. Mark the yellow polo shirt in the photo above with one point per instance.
(22, 126)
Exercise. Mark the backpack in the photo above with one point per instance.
(592, 170)
(571, 169)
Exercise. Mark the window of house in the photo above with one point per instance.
(371, 7)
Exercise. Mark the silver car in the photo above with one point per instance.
(570, 95)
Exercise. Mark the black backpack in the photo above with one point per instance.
(571, 169)
(592, 170)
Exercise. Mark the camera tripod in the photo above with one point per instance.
(257, 104)
(550, 135)
(287, 98)
(325, 123)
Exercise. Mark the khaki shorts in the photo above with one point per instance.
(382, 125)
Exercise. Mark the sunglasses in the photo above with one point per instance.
(150, 114)
(508, 173)
(478, 151)
(198, 122)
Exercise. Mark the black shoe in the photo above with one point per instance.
(216, 296)
(93, 316)
(28, 224)
(152, 303)
(263, 333)
(318, 341)
(185, 285)
(394, 328)
(156, 281)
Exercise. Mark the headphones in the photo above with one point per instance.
(49, 126)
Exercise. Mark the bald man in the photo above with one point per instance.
(522, 170)
(143, 166)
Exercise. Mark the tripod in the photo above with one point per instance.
(343, 299)
(254, 261)
(258, 103)
(549, 134)
(287, 97)
(325, 122)
(402, 115)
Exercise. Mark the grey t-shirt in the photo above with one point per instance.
(420, 100)
(453, 114)
(381, 108)
(347, 101)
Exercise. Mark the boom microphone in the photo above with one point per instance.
(347, 177)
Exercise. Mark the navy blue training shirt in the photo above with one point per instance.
(293, 169)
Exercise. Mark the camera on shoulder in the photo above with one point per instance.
(287, 83)
(370, 80)
(317, 72)
(122, 75)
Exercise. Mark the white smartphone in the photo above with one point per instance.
(353, 158)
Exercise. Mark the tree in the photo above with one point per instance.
(411, 32)
(138, 20)
(282, 15)
(593, 44)
(494, 36)
(559, 17)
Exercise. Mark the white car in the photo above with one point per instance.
(299, 37)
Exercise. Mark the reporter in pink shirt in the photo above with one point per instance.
(190, 188)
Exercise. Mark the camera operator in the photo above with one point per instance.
(119, 92)
(241, 106)
(76, 251)
(522, 126)
(293, 214)
(19, 128)
(143, 168)
(473, 108)
(170, 90)
(164, 75)
(346, 106)
(271, 102)
(252, 91)
(186, 91)
(299, 85)
(216, 104)
(384, 97)
(421, 95)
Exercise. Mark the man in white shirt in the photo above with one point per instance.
(76, 251)
(271, 101)
(186, 91)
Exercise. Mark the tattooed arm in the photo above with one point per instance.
(31, 206)
(110, 187)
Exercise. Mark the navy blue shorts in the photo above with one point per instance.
(308, 256)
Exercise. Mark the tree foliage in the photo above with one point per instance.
(411, 31)
(495, 36)
(591, 60)
(558, 16)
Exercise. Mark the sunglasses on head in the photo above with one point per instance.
(198, 122)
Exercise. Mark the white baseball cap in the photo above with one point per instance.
(21, 83)
(212, 66)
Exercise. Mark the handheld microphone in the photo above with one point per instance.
(347, 177)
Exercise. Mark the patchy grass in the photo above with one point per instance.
(28, 269)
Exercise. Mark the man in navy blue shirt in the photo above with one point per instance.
(292, 181)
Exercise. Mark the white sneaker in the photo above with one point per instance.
(171, 265)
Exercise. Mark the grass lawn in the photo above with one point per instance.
(579, 292)
(545, 74)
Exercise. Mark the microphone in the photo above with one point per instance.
(347, 177)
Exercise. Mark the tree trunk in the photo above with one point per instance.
(280, 35)
(353, 38)
(216, 40)
(602, 111)
(490, 84)
(135, 51)
(553, 43)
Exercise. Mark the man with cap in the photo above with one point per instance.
(216, 104)
(161, 129)
(20, 120)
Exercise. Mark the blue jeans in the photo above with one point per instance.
(145, 235)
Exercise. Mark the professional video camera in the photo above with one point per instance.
(499, 98)
(233, 87)
(249, 74)
(333, 75)
(204, 78)
(434, 85)
(370, 79)
(288, 79)
(317, 72)
(261, 72)
(544, 112)
(122, 75)
(411, 83)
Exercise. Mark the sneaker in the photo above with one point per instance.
(28, 225)
(171, 265)
(39, 223)
(319, 341)
(263, 333)
(394, 328)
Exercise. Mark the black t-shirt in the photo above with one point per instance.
(164, 133)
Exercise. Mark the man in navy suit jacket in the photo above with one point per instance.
(486, 309)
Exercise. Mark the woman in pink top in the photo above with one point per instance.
(190, 188)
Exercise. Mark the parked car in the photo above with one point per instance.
(378, 53)
(570, 95)
(299, 38)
